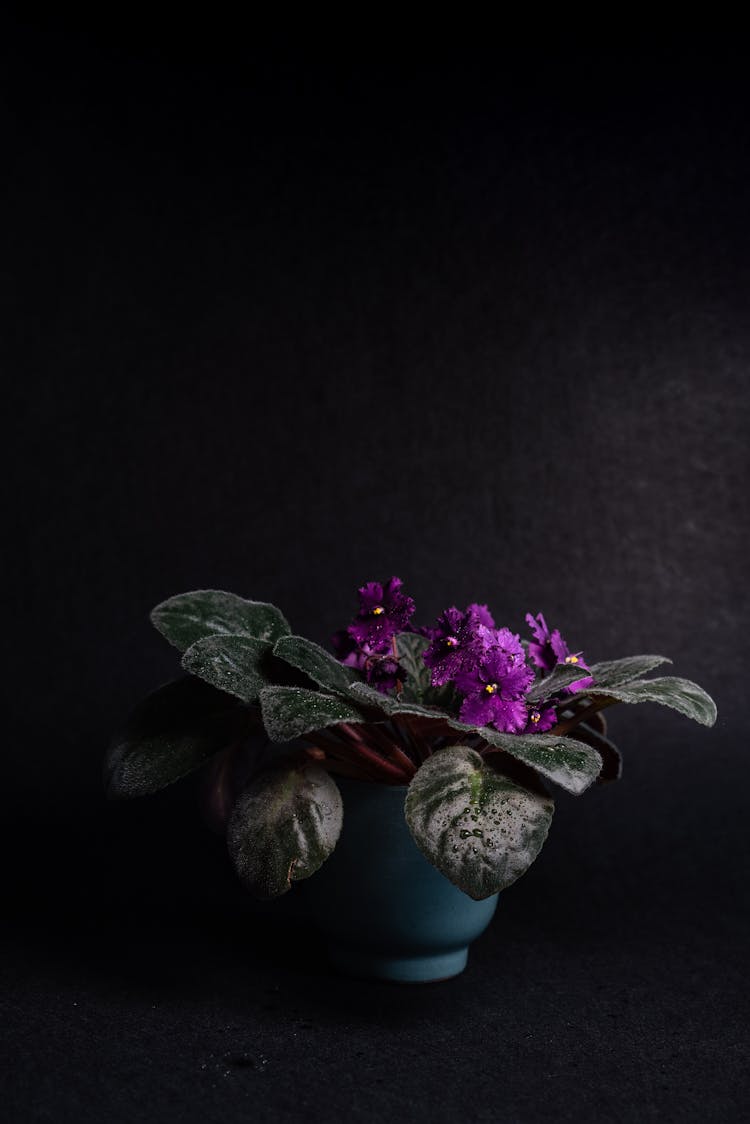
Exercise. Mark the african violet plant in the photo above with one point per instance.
(475, 720)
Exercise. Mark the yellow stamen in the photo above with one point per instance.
(491, 688)
(451, 642)
(535, 716)
(571, 659)
(378, 611)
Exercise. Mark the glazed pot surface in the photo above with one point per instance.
(385, 910)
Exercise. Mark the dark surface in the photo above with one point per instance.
(611, 986)
(281, 326)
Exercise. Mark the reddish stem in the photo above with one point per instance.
(568, 724)
(359, 750)
(347, 755)
(406, 762)
(419, 744)
(394, 649)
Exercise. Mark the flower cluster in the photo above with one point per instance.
(489, 668)
(548, 649)
(369, 643)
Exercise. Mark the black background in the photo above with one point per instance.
(282, 323)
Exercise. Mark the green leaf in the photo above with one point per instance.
(284, 826)
(168, 735)
(680, 694)
(570, 763)
(561, 676)
(316, 662)
(563, 760)
(476, 826)
(290, 712)
(209, 612)
(612, 673)
(390, 704)
(232, 663)
(410, 647)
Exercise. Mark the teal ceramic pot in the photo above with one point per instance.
(385, 910)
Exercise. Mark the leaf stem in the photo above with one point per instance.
(597, 704)
(355, 749)
(419, 744)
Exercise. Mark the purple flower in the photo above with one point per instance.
(509, 643)
(384, 672)
(456, 641)
(548, 649)
(540, 648)
(348, 651)
(540, 718)
(383, 611)
(483, 615)
(494, 687)
(506, 715)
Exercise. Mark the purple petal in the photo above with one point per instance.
(482, 614)
(582, 684)
(384, 673)
(541, 719)
(449, 666)
(375, 633)
(559, 647)
(392, 588)
(542, 655)
(370, 597)
(538, 626)
(455, 646)
(477, 709)
(508, 715)
(516, 682)
(510, 643)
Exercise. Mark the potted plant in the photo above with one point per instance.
(409, 770)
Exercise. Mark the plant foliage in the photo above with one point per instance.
(473, 719)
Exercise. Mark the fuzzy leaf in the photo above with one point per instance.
(232, 663)
(290, 712)
(209, 612)
(680, 694)
(563, 760)
(570, 763)
(389, 704)
(612, 673)
(476, 826)
(561, 676)
(316, 662)
(170, 733)
(410, 647)
(284, 826)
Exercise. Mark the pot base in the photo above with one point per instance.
(384, 911)
(401, 969)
